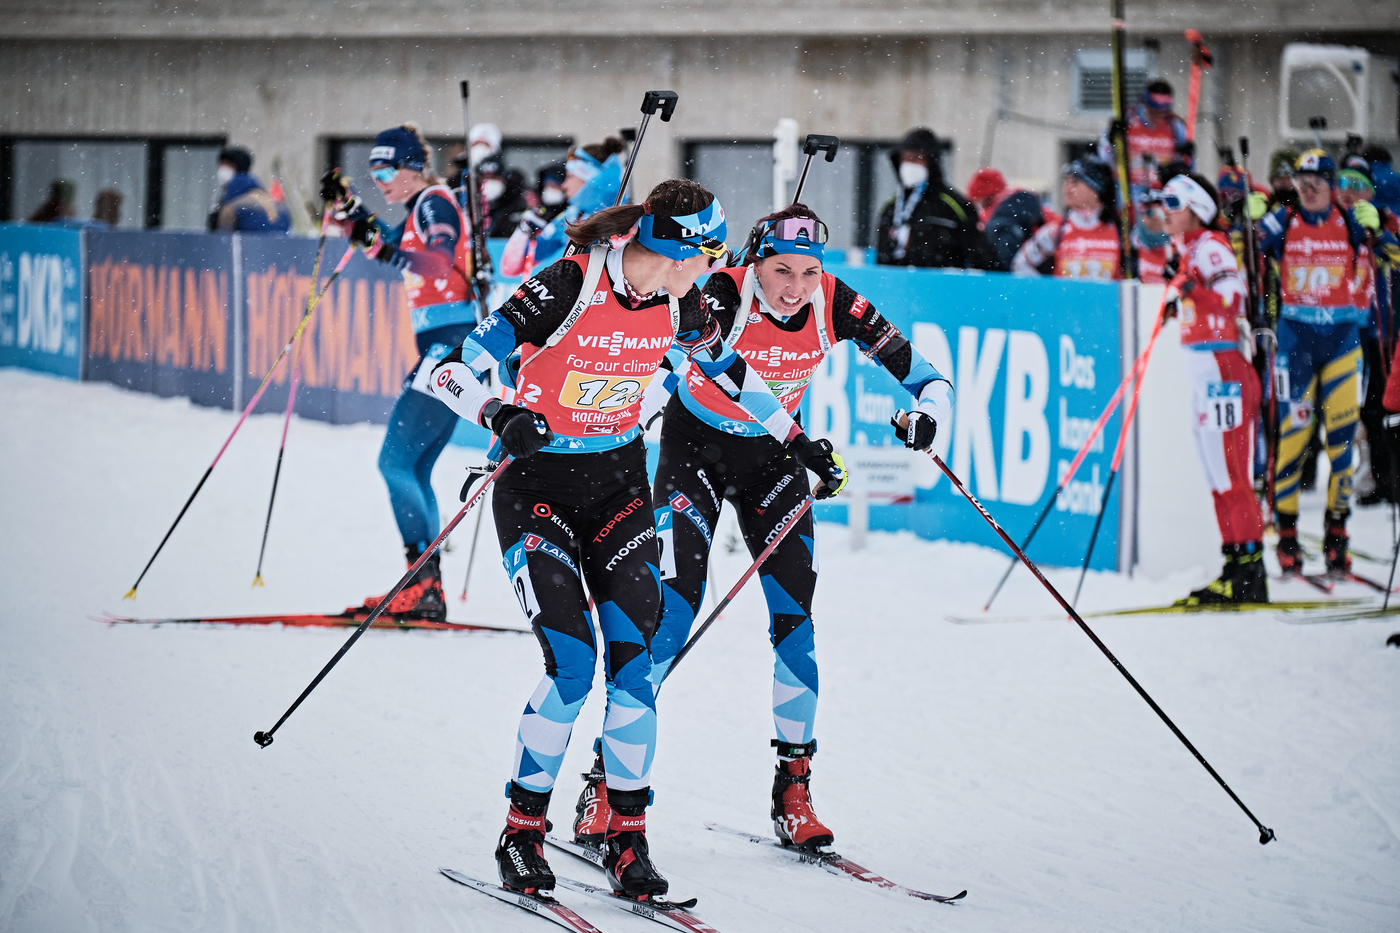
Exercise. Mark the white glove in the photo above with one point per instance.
(1246, 337)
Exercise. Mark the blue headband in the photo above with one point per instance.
(399, 148)
(685, 235)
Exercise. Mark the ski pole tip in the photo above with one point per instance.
(258, 581)
(262, 738)
(130, 594)
(1266, 835)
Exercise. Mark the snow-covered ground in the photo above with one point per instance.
(1010, 759)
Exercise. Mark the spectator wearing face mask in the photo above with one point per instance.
(243, 205)
(483, 141)
(549, 191)
(502, 196)
(928, 223)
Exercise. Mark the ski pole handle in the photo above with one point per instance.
(665, 101)
(810, 147)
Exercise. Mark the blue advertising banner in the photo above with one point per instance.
(41, 299)
(1033, 362)
(160, 313)
(357, 347)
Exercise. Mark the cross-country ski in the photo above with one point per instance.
(543, 906)
(837, 865)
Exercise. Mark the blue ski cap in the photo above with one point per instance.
(803, 236)
(599, 191)
(398, 147)
(684, 235)
(1316, 162)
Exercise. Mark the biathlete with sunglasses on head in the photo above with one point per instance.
(432, 248)
(574, 506)
(782, 313)
(1210, 296)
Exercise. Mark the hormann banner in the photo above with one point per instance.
(357, 346)
(161, 315)
(1033, 362)
(41, 299)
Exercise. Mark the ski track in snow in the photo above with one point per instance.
(1008, 759)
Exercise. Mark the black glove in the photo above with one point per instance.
(1392, 432)
(336, 186)
(819, 457)
(522, 432)
(919, 430)
(1187, 150)
(365, 234)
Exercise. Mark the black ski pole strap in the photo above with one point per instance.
(794, 750)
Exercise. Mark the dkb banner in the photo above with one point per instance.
(357, 347)
(160, 313)
(1033, 362)
(41, 299)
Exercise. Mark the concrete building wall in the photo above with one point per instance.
(282, 77)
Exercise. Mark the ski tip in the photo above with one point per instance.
(257, 581)
(130, 594)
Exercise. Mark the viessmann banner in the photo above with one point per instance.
(1033, 363)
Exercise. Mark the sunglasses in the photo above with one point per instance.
(790, 228)
(384, 175)
(1171, 202)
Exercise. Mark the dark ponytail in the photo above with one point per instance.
(600, 151)
(672, 198)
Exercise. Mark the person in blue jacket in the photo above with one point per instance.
(244, 205)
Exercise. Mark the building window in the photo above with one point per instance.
(847, 193)
(163, 182)
(528, 154)
(1093, 78)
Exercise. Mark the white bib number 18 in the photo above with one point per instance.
(1223, 406)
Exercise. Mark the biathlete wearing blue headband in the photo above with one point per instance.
(782, 313)
(432, 248)
(575, 504)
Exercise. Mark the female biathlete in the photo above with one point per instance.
(1210, 296)
(574, 507)
(781, 312)
(432, 247)
(592, 175)
(1085, 245)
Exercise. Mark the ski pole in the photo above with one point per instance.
(131, 593)
(1263, 333)
(1139, 365)
(265, 738)
(811, 146)
(652, 101)
(1127, 252)
(481, 259)
(1200, 62)
(782, 532)
(291, 398)
(1118, 450)
(1266, 835)
(471, 555)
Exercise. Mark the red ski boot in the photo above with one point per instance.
(421, 599)
(626, 857)
(1290, 554)
(592, 811)
(793, 818)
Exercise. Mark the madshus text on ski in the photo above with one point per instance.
(1281, 292)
